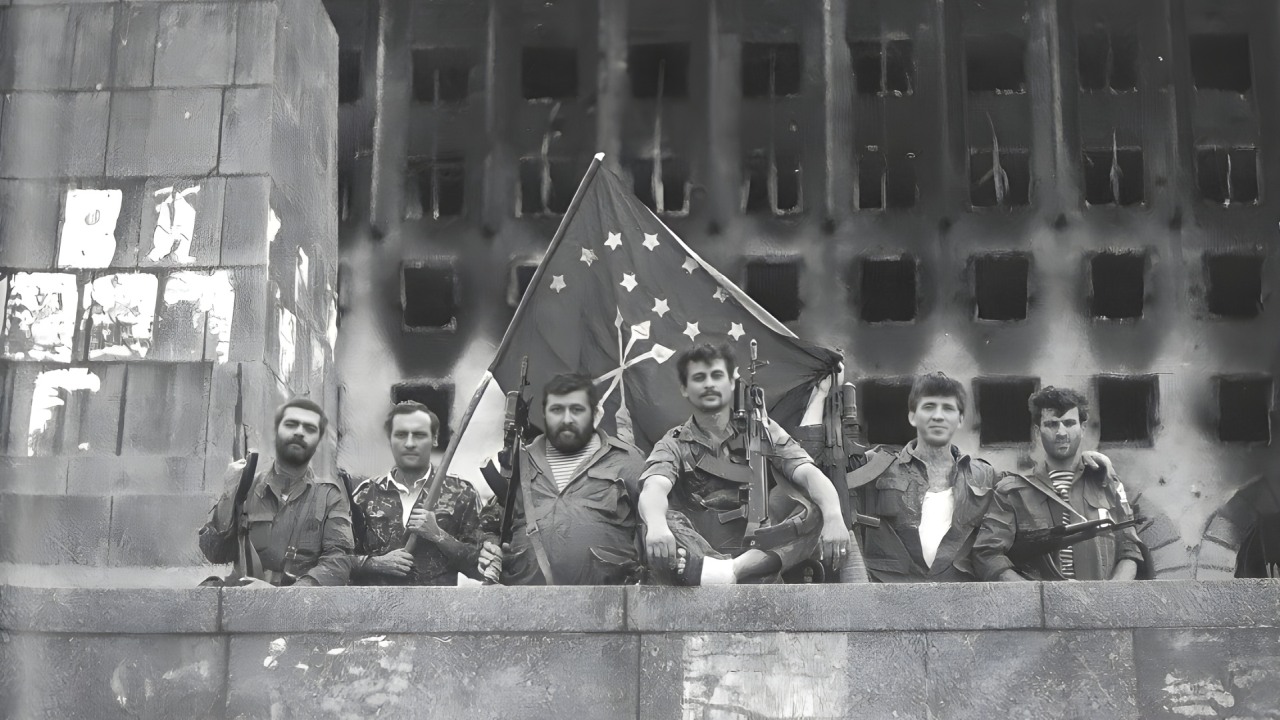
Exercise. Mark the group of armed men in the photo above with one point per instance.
(589, 509)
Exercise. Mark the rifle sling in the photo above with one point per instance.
(539, 551)
(725, 470)
(876, 464)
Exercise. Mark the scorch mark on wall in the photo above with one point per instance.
(119, 312)
(210, 299)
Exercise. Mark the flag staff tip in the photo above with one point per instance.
(600, 156)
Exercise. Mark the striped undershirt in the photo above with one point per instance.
(1061, 480)
(564, 467)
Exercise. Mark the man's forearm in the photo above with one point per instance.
(1126, 569)
(820, 490)
(653, 502)
(460, 556)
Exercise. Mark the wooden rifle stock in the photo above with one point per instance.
(753, 411)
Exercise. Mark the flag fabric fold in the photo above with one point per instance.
(619, 296)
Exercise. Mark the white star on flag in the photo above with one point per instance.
(735, 331)
(660, 307)
(629, 281)
(615, 239)
(588, 256)
(689, 265)
(691, 329)
(557, 283)
(651, 241)
(720, 294)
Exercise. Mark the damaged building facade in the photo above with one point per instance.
(1019, 193)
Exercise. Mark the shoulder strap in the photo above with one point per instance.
(876, 464)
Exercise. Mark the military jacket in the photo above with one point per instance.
(457, 513)
(304, 533)
(1020, 504)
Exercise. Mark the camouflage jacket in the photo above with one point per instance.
(302, 530)
(457, 513)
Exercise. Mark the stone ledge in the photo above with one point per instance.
(1162, 603)
(424, 610)
(835, 608)
(139, 611)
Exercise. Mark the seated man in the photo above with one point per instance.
(1062, 490)
(697, 536)
(574, 520)
(929, 498)
(391, 509)
(296, 526)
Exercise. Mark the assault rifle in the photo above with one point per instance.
(515, 421)
(751, 418)
(1032, 551)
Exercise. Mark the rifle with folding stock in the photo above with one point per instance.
(751, 417)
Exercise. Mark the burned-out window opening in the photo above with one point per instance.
(350, 89)
(888, 289)
(518, 282)
(436, 395)
(995, 64)
(884, 411)
(429, 296)
(1108, 61)
(1127, 408)
(884, 67)
(1117, 285)
(661, 184)
(1003, 415)
(659, 70)
(1220, 61)
(1244, 408)
(1000, 286)
(435, 188)
(775, 284)
(871, 180)
(1113, 176)
(999, 178)
(1228, 175)
(440, 74)
(549, 73)
(771, 69)
(884, 185)
(1234, 284)
(546, 186)
(772, 183)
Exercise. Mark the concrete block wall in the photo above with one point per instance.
(168, 263)
(1190, 471)
(1161, 649)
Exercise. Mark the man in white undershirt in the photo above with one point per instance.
(930, 497)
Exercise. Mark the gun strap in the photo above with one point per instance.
(539, 551)
(725, 470)
(876, 464)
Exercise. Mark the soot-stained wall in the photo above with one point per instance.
(1016, 192)
(168, 264)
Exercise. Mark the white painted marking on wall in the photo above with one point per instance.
(215, 299)
(331, 331)
(273, 225)
(88, 238)
(175, 225)
(288, 344)
(301, 276)
(45, 399)
(120, 310)
(40, 316)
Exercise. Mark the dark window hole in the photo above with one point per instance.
(1000, 286)
(1228, 175)
(429, 296)
(549, 73)
(776, 286)
(995, 64)
(999, 180)
(1244, 409)
(1221, 62)
(546, 187)
(1108, 61)
(1003, 416)
(440, 74)
(662, 187)
(349, 87)
(1234, 285)
(1113, 176)
(884, 412)
(883, 67)
(440, 188)
(770, 69)
(772, 187)
(662, 66)
(521, 276)
(1118, 285)
(1127, 408)
(888, 290)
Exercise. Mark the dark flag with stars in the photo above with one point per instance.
(620, 295)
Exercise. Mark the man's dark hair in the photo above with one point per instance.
(1059, 400)
(565, 383)
(937, 384)
(705, 353)
(409, 407)
(305, 404)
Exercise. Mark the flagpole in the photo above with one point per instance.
(437, 483)
(572, 210)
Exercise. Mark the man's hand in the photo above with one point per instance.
(660, 545)
(424, 525)
(256, 583)
(1093, 460)
(396, 563)
(834, 543)
(490, 563)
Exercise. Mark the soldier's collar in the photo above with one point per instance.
(909, 451)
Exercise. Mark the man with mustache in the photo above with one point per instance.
(693, 500)
(299, 524)
(575, 519)
(1063, 489)
(448, 535)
